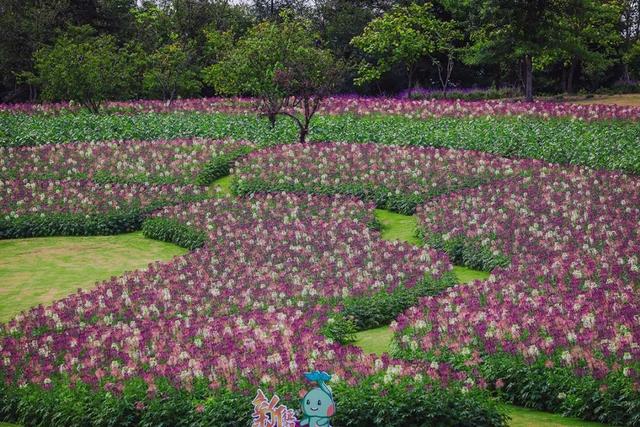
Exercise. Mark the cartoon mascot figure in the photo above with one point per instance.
(317, 404)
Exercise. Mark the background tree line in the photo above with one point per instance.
(92, 50)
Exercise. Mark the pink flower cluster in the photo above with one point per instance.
(22, 197)
(385, 169)
(259, 348)
(206, 215)
(173, 161)
(350, 104)
(588, 218)
(570, 295)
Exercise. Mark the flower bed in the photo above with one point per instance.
(188, 224)
(206, 371)
(69, 207)
(180, 161)
(558, 329)
(349, 104)
(396, 178)
(588, 217)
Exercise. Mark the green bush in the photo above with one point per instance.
(381, 308)
(398, 403)
(468, 252)
(611, 400)
(607, 144)
(174, 231)
(67, 224)
(220, 166)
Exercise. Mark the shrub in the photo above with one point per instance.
(173, 231)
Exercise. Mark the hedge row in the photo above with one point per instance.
(64, 224)
(403, 403)
(124, 220)
(550, 387)
(220, 166)
(467, 252)
(174, 231)
(608, 144)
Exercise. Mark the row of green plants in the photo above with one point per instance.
(607, 144)
(402, 403)
(548, 385)
(465, 251)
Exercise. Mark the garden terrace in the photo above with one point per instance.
(396, 178)
(179, 161)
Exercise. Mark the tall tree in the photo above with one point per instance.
(514, 30)
(403, 36)
(82, 67)
(585, 38)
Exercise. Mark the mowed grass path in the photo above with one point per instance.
(41, 270)
(403, 227)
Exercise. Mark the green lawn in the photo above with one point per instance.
(396, 226)
(522, 417)
(41, 270)
(221, 186)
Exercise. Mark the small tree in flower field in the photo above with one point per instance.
(283, 66)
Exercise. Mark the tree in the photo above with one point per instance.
(403, 36)
(171, 73)
(81, 67)
(629, 27)
(584, 38)
(282, 65)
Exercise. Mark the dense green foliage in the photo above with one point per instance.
(562, 46)
(381, 308)
(61, 224)
(173, 231)
(404, 37)
(599, 144)
(403, 403)
(220, 166)
(83, 68)
(467, 252)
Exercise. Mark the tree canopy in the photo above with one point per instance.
(541, 46)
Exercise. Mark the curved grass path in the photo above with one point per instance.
(402, 227)
(41, 270)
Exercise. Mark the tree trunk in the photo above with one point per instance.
(564, 79)
(410, 88)
(626, 75)
(570, 77)
(528, 86)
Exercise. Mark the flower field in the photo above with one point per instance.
(281, 274)
(70, 207)
(396, 178)
(177, 161)
(565, 310)
(349, 104)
